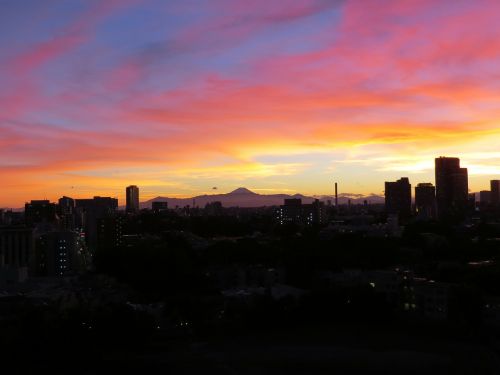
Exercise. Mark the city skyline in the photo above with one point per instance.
(132, 201)
(451, 192)
(120, 192)
(277, 96)
(250, 187)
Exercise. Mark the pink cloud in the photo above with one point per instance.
(386, 73)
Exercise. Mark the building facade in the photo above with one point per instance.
(398, 197)
(495, 192)
(16, 253)
(425, 201)
(132, 197)
(452, 187)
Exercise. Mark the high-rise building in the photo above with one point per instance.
(89, 212)
(290, 212)
(59, 253)
(16, 252)
(40, 211)
(398, 197)
(471, 204)
(452, 187)
(425, 201)
(495, 192)
(66, 212)
(132, 199)
(484, 198)
(315, 212)
(293, 211)
(110, 231)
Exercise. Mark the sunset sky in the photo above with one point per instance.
(276, 95)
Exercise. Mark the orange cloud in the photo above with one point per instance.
(218, 93)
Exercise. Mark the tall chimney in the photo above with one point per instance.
(336, 196)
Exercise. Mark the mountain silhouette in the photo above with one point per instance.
(242, 190)
(243, 197)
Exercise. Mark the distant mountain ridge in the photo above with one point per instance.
(242, 197)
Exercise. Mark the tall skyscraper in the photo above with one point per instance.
(89, 212)
(132, 199)
(484, 198)
(452, 187)
(66, 212)
(398, 197)
(495, 192)
(425, 201)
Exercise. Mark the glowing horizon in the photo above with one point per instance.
(277, 96)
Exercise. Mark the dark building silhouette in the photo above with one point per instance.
(425, 201)
(132, 197)
(89, 212)
(16, 252)
(398, 197)
(9, 217)
(110, 231)
(315, 213)
(484, 198)
(471, 203)
(40, 211)
(66, 212)
(452, 187)
(213, 209)
(293, 211)
(495, 192)
(159, 206)
(290, 212)
(58, 253)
